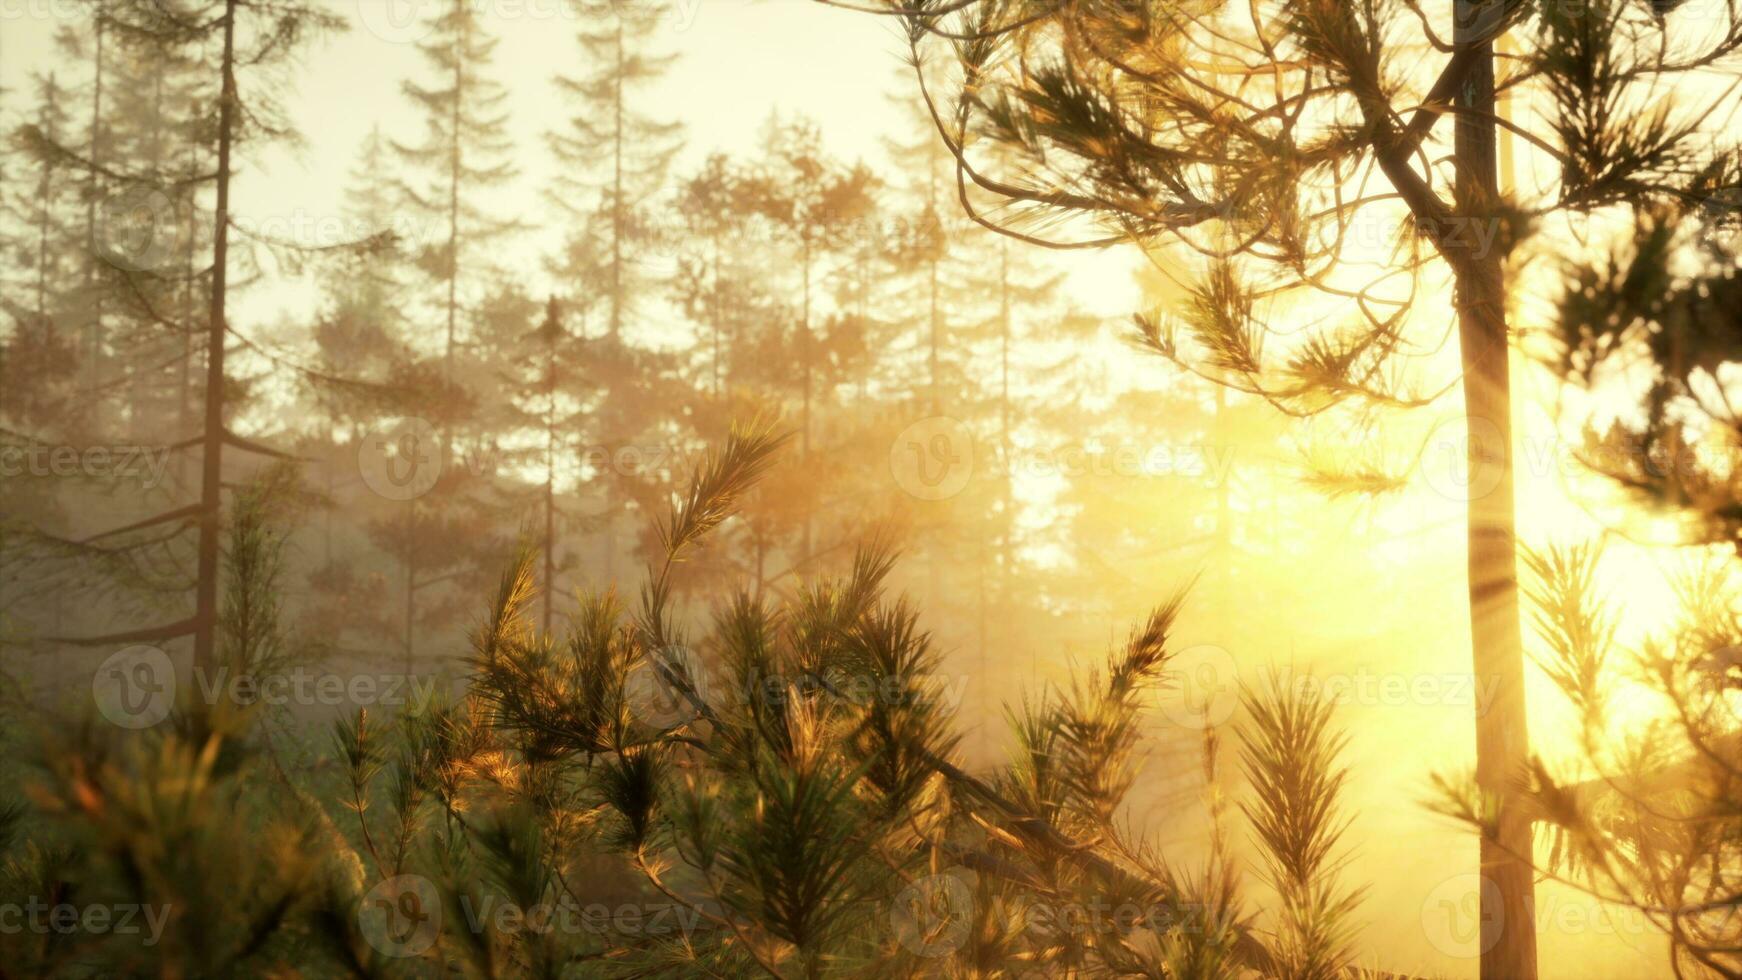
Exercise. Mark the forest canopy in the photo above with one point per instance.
(870, 488)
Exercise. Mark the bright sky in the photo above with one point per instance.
(738, 62)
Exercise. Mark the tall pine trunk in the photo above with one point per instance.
(550, 437)
(804, 331)
(94, 333)
(211, 477)
(1508, 934)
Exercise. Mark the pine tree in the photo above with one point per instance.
(83, 43)
(931, 222)
(545, 412)
(360, 340)
(615, 160)
(1016, 395)
(1126, 120)
(727, 283)
(39, 360)
(250, 42)
(709, 283)
(148, 313)
(1635, 801)
(614, 168)
(1666, 297)
(463, 156)
(1662, 299)
(819, 210)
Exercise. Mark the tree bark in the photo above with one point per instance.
(550, 384)
(1508, 934)
(212, 468)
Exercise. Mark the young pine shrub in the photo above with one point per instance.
(252, 642)
(1289, 754)
(785, 782)
(177, 848)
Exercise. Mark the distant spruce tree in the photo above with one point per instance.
(42, 351)
(88, 42)
(464, 154)
(242, 46)
(361, 346)
(931, 222)
(464, 157)
(819, 210)
(711, 280)
(990, 333)
(728, 283)
(614, 161)
(544, 411)
(151, 318)
(614, 166)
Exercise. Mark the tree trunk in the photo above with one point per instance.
(94, 336)
(454, 173)
(550, 381)
(714, 301)
(549, 547)
(45, 218)
(410, 610)
(1508, 935)
(804, 438)
(211, 476)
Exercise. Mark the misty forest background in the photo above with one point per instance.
(542, 302)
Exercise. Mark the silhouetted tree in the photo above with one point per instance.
(1150, 123)
(614, 162)
(464, 154)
